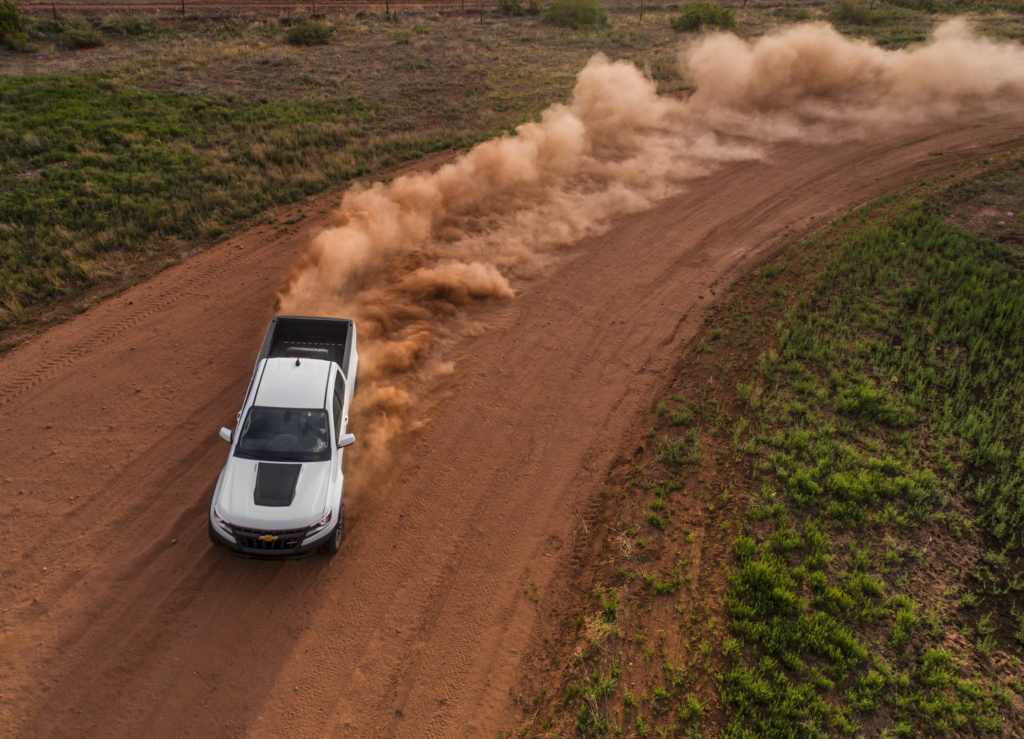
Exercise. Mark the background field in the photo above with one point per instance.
(171, 134)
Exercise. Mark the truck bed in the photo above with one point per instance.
(312, 338)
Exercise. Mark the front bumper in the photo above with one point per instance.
(268, 544)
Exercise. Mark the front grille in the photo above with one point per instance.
(277, 532)
(286, 538)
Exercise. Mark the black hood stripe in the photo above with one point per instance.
(275, 483)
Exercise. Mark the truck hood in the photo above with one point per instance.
(273, 495)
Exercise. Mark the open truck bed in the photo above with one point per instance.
(330, 339)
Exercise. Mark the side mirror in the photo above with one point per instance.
(346, 440)
(226, 434)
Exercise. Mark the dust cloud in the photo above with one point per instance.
(810, 83)
(410, 259)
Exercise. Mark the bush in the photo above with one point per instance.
(533, 7)
(577, 14)
(309, 33)
(511, 7)
(852, 13)
(45, 28)
(12, 28)
(697, 15)
(81, 37)
(128, 26)
(10, 18)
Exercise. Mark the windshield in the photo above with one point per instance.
(285, 434)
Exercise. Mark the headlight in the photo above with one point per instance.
(323, 521)
(220, 519)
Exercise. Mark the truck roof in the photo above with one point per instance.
(288, 382)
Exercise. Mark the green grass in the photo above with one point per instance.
(906, 361)
(94, 171)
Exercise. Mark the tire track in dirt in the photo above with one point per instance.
(420, 626)
(194, 277)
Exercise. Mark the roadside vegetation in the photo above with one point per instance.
(820, 533)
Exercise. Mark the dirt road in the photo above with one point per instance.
(118, 617)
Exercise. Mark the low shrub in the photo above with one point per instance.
(698, 15)
(852, 13)
(45, 29)
(511, 7)
(10, 18)
(131, 25)
(577, 14)
(12, 28)
(308, 33)
(81, 37)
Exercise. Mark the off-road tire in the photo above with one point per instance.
(331, 547)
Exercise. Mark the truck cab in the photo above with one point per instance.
(281, 492)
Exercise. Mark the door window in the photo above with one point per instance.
(339, 393)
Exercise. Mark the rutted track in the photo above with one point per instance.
(118, 617)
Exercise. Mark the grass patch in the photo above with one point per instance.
(915, 331)
(94, 170)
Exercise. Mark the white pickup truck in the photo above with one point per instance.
(281, 492)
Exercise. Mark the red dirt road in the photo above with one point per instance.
(118, 618)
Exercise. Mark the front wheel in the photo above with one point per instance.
(214, 539)
(331, 547)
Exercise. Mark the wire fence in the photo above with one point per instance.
(279, 7)
(204, 7)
